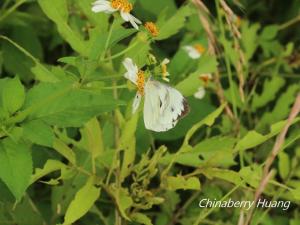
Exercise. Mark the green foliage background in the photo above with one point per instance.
(71, 152)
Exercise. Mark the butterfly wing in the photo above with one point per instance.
(163, 106)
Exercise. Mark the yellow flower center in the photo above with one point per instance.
(199, 48)
(122, 5)
(152, 28)
(140, 82)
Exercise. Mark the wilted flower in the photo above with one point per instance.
(164, 70)
(194, 51)
(206, 77)
(200, 93)
(152, 28)
(123, 6)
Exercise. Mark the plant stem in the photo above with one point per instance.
(11, 9)
(121, 52)
(290, 23)
(227, 63)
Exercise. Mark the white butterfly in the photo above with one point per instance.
(163, 105)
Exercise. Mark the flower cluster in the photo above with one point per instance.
(124, 7)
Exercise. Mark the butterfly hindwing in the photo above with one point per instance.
(163, 106)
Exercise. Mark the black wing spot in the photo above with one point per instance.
(160, 103)
(172, 109)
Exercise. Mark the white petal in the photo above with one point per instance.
(102, 6)
(136, 102)
(192, 52)
(165, 61)
(200, 93)
(130, 18)
(132, 70)
(166, 79)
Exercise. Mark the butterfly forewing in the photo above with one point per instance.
(163, 106)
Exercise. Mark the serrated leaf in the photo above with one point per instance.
(270, 88)
(44, 136)
(63, 105)
(215, 151)
(82, 202)
(253, 138)
(57, 11)
(282, 107)
(15, 166)
(13, 95)
(224, 174)
(179, 182)
(249, 38)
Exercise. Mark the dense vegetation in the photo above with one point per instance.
(72, 151)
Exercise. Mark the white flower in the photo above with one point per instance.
(194, 51)
(164, 69)
(117, 5)
(200, 93)
(137, 77)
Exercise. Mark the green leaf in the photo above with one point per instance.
(249, 38)
(15, 166)
(127, 143)
(13, 95)
(82, 202)
(157, 6)
(282, 107)
(208, 120)
(49, 167)
(179, 182)
(284, 165)
(253, 138)
(123, 201)
(139, 49)
(57, 11)
(92, 138)
(270, 88)
(141, 218)
(64, 150)
(269, 32)
(44, 136)
(215, 151)
(227, 175)
(64, 105)
(188, 86)
(172, 25)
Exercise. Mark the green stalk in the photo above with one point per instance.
(228, 68)
(11, 9)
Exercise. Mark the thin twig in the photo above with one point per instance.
(212, 49)
(267, 174)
